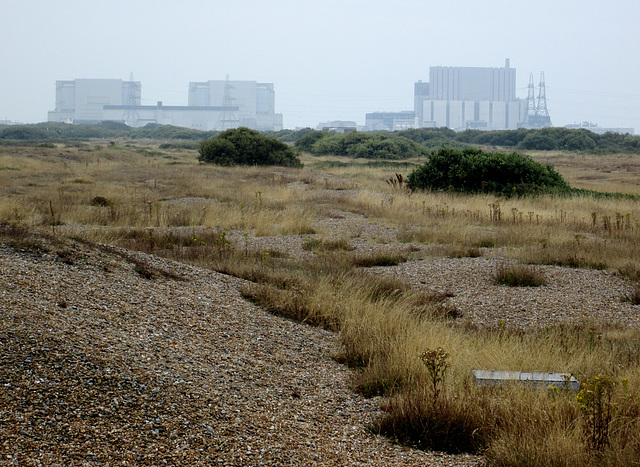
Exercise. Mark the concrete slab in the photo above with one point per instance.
(534, 379)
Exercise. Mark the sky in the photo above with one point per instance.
(330, 59)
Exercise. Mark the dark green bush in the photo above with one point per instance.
(475, 171)
(306, 142)
(356, 144)
(242, 146)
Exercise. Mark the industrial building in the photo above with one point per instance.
(83, 100)
(469, 97)
(254, 103)
(463, 98)
(389, 121)
(212, 105)
(593, 127)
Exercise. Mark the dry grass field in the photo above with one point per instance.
(335, 245)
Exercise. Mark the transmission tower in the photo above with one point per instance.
(541, 108)
(531, 103)
(227, 117)
(131, 117)
(537, 115)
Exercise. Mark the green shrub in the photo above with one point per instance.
(475, 171)
(242, 146)
(361, 145)
(306, 142)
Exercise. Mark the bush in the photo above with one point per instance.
(475, 171)
(306, 142)
(242, 146)
(356, 144)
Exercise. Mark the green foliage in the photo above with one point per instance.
(356, 144)
(553, 138)
(475, 171)
(24, 132)
(289, 136)
(306, 142)
(104, 130)
(242, 146)
(165, 132)
(397, 145)
(432, 138)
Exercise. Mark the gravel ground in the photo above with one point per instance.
(102, 366)
(570, 296)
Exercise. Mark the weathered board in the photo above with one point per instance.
(530, 378)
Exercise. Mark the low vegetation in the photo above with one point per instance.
(242, 146)
(374, 145)
(403, 343)
(360, 145)
(475, 171)
(515, 275)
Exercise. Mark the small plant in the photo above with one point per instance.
(316, 244)
(396, 182)
(595, 404)
(464, 252)
(223, 247)
(101, 201)
(515, 275)
(435, 305)
(379, 259)
(436, 362)
(633, 297)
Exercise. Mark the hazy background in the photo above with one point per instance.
(330, 59)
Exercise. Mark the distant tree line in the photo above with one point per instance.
(356, 144)
(396, 145)
(51, 131)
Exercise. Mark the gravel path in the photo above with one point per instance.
(102, 366)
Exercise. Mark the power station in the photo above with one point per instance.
(463, 98)
(212, 105)
(459, 98)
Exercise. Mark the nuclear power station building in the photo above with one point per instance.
(83, 100)
(212, 105)
(478, 98)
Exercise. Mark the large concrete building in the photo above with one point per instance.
(212, 105)
(255, 103)
(469, 97)
(389, 121)
(83, 100)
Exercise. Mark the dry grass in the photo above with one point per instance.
(515, 275)
(168, 204)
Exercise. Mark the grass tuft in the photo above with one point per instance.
(515, 275)
(379, 259)
(633, 297)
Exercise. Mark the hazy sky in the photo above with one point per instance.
(330, 59)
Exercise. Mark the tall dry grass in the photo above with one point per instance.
(165, 203)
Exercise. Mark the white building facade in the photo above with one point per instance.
(469, 97)
(83, 100)
(212, 105)
(255, 102)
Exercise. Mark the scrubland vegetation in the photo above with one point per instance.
(404, 344)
